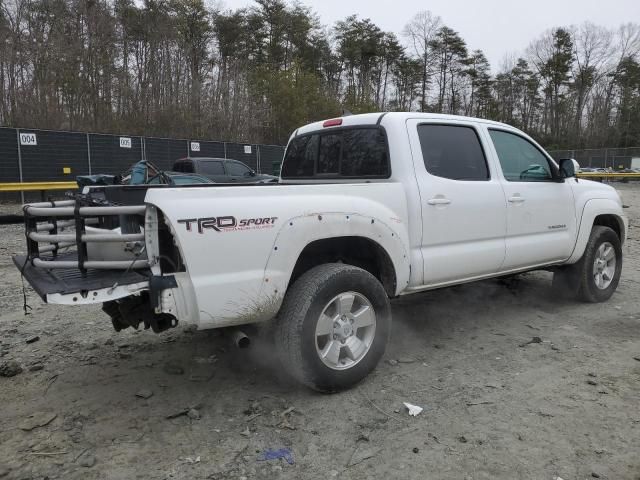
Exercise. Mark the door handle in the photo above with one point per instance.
(516, 199)
(439, 201)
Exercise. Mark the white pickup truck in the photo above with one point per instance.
(368, 207)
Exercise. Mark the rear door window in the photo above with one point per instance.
(360, 152)
(211, 167)
(238, 169)
(183, 166)
(453, 152)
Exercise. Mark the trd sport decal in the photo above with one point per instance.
(228, 223)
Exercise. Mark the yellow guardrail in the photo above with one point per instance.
(607, 175)
(35, 186)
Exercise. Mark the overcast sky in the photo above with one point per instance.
(495, 26)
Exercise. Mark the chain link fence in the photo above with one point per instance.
(613, 158)
(32, 155)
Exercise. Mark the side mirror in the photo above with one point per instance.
(568, 167)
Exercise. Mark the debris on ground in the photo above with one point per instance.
(284, 419)
(416, 449)
(592, 382)
(254, 408)
(204, 377)
(287, 411)
(10, 368)
(192, 460)
(193, 414)
(360, 454)
(32, 339)
(271, 454)
(173, 369)
(406, 360)
(36, 367)
(144, 393)
(246, 432)
(177, 414)
(414, 410)
(533, 340)
(471, 404)
(637, 358)
(39, 419)
(88, 461)
(392, 362)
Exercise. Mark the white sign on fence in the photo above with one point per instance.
(28, 139)
(247, 149)
(195, 146)
(125, 142)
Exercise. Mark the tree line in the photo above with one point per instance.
(179, 68)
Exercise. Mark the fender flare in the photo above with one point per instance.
(298, 232)
(592, 209)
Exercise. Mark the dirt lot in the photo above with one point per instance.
(493, 409)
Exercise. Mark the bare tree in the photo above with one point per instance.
(420, 33)
(182, 68)
(592, 49)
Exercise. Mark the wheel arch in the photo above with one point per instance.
(366, 242)
(612, 221)
(604, 212)
(358, 251)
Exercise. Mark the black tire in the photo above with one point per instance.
(578, 280)
(295, 333)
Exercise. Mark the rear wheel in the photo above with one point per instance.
(595, 277)
(333, 326)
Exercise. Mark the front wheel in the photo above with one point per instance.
(595, 277)
(333, 326)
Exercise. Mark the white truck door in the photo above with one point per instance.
(462, 201)
(541, 219)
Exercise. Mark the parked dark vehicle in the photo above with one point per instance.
(221, 170)
(175, 179)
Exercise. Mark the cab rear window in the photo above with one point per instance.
(338, 153)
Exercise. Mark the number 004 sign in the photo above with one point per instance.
(28, 139)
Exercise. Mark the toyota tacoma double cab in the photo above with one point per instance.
(367, 208)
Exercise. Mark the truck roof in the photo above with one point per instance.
(374, 118)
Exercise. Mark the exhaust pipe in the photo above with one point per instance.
(240, 339)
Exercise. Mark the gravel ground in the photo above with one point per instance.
(91, 403)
